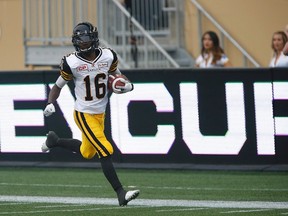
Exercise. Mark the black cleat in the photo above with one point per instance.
(50, 142)
(126, 196)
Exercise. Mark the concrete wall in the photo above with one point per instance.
(11, 44)
(250, 22)
(11, 26)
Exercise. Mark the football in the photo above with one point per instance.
(114, 81)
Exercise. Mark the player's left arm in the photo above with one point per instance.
(114, 71)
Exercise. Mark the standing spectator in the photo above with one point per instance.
(279, 39)
(212, 55)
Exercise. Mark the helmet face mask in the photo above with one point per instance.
(85, 38)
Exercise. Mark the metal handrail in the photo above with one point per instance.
(122, 63)
(146, 34)
(229, 37)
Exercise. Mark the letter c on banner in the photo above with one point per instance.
(128, 144)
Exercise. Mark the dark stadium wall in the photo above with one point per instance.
(213, 116)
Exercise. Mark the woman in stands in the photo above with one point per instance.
(212, 55)
(279, 39)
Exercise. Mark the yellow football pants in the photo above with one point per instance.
(93, 137)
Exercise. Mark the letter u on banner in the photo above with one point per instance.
(235, 137)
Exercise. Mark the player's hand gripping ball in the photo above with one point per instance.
(119, 83)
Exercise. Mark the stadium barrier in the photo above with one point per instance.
(194, 116)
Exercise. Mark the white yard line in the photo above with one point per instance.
(185, 209)
(245, 211)
(148, 202)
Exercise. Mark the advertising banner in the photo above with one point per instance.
(203, 116)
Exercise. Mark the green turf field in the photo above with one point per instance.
(81, 192)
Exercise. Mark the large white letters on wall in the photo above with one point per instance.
(267, 125)
(234, 139)
(158, 144)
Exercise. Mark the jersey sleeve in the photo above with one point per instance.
(65, 70)
(114, 64)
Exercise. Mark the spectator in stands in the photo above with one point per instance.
(279, 39)
(212, 55)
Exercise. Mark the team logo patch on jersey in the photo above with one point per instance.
(82, 67)
(102, 65)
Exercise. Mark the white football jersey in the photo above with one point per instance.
(90, 78)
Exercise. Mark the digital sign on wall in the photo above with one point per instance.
(183, 115)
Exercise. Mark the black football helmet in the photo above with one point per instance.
(83, 34)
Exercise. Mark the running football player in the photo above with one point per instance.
(89, 67)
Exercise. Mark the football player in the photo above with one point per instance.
(89, 67)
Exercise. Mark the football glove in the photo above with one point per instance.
(49, 110)
(123, 89)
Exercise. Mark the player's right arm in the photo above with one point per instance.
(63, 79)
(114, 71)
